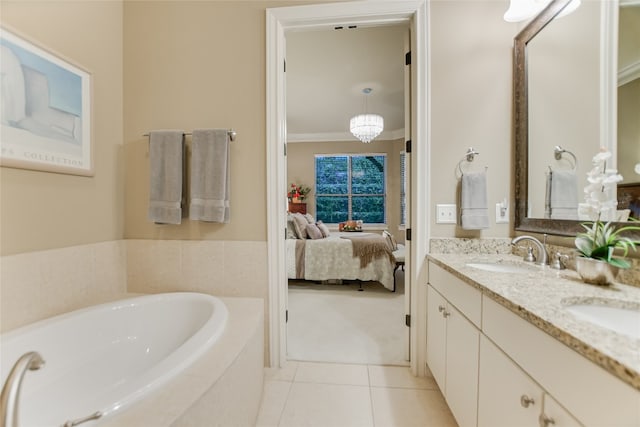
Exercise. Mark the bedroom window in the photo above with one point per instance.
(351, 187)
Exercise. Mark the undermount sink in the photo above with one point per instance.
(498, 267)
(624, 320)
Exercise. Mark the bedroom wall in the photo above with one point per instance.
(301, 169)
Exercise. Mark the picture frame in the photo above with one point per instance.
(45, 115)
(629, 198)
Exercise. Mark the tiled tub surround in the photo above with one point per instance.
(540, 298)
(38, 285)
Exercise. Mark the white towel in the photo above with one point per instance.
(563, 195)
(210, 175)
(166, 150)
(474, 214)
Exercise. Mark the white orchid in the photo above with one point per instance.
(600, 194)
(601, 239)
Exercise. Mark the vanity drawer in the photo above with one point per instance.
(592, 395)
(463, 296)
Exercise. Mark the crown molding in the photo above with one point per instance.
(340, 136)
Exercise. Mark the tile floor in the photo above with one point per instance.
(345, 395)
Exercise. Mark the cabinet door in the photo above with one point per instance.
(462, 367)
(436, 336)
(507, 396)
(555, 415)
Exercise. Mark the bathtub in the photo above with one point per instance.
(109, 357)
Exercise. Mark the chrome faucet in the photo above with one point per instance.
(11, 390)
(542, 252)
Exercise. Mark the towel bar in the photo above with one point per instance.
(232, 134)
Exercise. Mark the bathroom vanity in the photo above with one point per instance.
(508, 345)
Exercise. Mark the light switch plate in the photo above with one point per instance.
(446, 214)
(502, 214)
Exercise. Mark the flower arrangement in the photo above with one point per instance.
(298, 192)
(600, 239)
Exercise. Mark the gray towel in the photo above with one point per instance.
(474, 214)
(210, 175)
(563, 195)
(166, 150)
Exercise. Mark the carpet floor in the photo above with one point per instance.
(337, 323)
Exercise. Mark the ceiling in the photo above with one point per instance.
(328, 69)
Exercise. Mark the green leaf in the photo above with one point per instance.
(620, 263)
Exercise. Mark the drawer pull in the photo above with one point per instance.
(525, 401)
(545, 420)
(441, 308)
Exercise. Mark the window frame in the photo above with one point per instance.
(350, 195)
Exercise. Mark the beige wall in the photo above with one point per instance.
(197, 65)
(470, 96)
(301, 170)
(41, 210)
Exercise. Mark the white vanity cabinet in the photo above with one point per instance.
(453, 343)
(495, 368)
(508, 397)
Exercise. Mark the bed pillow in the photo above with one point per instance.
(314, 232)
(391, 241)
(310, 218)
(291, 228)
(323, 228)
(300, 225)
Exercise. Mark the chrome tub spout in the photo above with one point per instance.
(11, 390)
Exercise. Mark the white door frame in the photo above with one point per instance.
(281, 20)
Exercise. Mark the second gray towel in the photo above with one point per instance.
(474, 214)
(210, 175)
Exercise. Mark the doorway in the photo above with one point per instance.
(328, 70)
(279, 21)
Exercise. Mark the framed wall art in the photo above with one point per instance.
(45, 109)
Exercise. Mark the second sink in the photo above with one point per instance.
(624, 320)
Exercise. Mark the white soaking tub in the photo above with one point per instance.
(107, 357)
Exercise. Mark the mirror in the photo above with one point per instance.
(564, 109)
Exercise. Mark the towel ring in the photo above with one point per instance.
(469, 156)
(558, 151)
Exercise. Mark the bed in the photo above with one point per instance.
(332, 258)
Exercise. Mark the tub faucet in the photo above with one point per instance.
(11, 390)
(542, 252)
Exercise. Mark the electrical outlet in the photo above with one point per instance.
(502, 214)
(446, 214)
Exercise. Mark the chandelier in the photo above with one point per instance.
(366, 127)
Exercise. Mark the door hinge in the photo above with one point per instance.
(407, 234)
(407, 58)
(407, 147)
(285, 148)
(285, 66)
(286, 316)
(407, 320)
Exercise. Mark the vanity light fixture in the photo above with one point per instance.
(366, 127)
(523, 10)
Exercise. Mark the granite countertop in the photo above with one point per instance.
(540, 297)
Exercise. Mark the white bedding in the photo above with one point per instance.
(332, 258)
